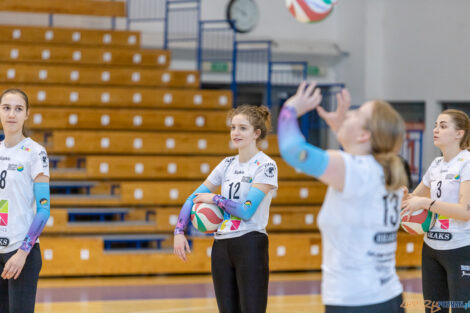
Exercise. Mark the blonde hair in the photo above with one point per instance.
(462, 122)
(387, 131)
(258, 116)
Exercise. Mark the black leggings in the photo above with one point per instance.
(390, 306)
(240, 272)
(446, 277)
(19, 295)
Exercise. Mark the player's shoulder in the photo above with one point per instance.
(436, 162)
(464, 158)
(32, 145)
(263, 159)
(228, 160)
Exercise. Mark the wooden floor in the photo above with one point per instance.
(293, 293)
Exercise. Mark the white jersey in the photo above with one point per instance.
(443, 179)
(359, 237)
(19, 166)
(236, 179)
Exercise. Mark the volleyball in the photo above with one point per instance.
(419, 222)
(310, 11)
(206, 217)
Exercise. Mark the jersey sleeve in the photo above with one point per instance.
(427, 176)
(356, 176)
(39, 162)
(217, 175)
(266, 174)
(465, 172)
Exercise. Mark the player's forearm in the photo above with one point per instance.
(295, 150)
(457, 211)
(42, 194)
(183, 218)
(241, 210)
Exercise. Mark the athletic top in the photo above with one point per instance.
(19, 166)
(359, 237)
(236, 179)
(443, 179)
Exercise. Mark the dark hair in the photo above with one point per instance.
(20, 93)
(461, 121)
(258, 116)
(387, 131)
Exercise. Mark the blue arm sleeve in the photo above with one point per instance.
(43, 211)
(185, 212)
(241, 210)
(295, 150)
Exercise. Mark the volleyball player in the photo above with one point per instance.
(360, 214)
(445, 190)
(24, 206)
(240, 267)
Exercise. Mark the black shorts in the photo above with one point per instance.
(19, 295)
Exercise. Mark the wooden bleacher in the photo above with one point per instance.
(122, 119)
(79, 96)
(75, 7)
(150, 167)
(130, 140)
(92, 76)
(69, 36)
(77, 54)
(127, 142)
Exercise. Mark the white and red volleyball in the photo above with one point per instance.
(419, 222)
(206, 217)
(310, 11)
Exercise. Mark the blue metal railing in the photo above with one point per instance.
(252, 65)
(182, 21)
(216, 43)
(139, 11)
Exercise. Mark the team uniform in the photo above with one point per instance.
(19, 166)
(446, 252)
(240, 265)
(358, 227)
(359, 241)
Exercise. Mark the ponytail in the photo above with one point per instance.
(387, 130)
(394, 170)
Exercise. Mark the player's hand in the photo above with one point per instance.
(15, 265)
(413, 203)
(335, 119)
(181, 247)
(306, 99)
(204, 198)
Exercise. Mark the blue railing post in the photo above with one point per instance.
(233, 85)
(165, 30)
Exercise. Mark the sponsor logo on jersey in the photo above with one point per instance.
(247, 179)
(3, 212)
(44, 159)
(20, 168)
(451, 176)
(25, 148)
(15, 167)
(439, 236)
(444, 222)
(237, 172)
(465, 270)
(4, 158)
(256, 162)
(270, 170)
(385, 237)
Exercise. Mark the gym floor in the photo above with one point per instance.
(292, 292)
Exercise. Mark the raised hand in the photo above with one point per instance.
(335, 119)
(306, 99)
